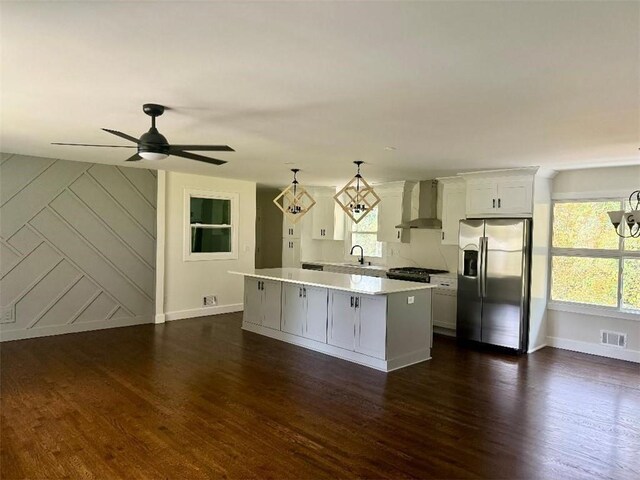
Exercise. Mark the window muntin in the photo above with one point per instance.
(365, 234)
(590, 264)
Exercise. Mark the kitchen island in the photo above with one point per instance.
(381, 323)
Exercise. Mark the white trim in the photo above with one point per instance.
(539, 347)
(594, 349)
(595, 195)
(595, 311)
(10, 335)
(349, 355)
(449, 332)
(234, 198)
(161, 219)
(203, 312)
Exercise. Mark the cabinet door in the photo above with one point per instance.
(291, 253)
(453, 210)
(515, 196)
(252, 301)
(315, 326)
(322, 218)
(293, 311)
(443, 309)
(271, 300)
(390, 215)
(481, 198)
(290, 230)
(371, 333)
(341, 320)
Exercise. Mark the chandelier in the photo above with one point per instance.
(631, 218)
(294, 201)
(357, 198)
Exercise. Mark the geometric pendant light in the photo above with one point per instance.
(294, 201)
(357, 198)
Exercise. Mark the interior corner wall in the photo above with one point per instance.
(187, 282)
(77, 246)
(581, 331)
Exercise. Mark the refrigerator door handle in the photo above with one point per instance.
(485, 253)
(480, 265)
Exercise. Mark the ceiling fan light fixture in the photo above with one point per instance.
(153, 155)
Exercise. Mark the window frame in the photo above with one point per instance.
(234, 198)
(619, 254)
(348, 244)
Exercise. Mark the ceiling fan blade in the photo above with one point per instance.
(206, 148)
(199, 158)
(133, 158)
(91, 145)
(122, 135)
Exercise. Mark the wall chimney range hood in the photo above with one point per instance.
(424, 197)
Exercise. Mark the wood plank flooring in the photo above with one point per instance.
(200, 398)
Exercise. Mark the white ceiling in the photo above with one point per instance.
(454, 86)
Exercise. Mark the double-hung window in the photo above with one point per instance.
(591, 266)
(365, 234)
(211, 225)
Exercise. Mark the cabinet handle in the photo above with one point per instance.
(499, 202)
(304, 292)
(398, 233)
(351, 302)
(442, 235)
(494, 203)
(357, 301)
(299, 292)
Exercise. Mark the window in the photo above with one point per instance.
(210, 225)
(365, 234)
(590, 264)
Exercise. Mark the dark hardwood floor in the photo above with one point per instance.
(201, 399)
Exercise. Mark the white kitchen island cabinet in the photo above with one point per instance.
(377, 322)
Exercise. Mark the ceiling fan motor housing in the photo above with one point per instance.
(153, 141)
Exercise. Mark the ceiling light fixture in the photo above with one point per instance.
(631, 218)
(357, 198)
(294, 201)
(153, 155)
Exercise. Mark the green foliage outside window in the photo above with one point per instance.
(365, 234)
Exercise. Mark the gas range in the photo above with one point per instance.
(413, 274)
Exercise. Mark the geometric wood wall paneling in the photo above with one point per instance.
(79, 240)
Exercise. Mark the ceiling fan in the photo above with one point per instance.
(154, 146)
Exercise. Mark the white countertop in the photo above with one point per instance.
(378, 268)
(337, 281)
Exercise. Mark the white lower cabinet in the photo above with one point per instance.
(358, 323)
(262, 302)
(304, 311)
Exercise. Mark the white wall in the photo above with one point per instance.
(187, 282)
(580, 331)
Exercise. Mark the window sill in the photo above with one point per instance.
(595, 311)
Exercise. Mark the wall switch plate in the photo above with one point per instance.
(8, 315)
(411, 299)
(209, 301)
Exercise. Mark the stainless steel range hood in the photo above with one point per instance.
(424, 198)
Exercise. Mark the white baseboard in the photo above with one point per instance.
(160, 318)
(449, 332)
(535, 349)
(203, 312)
(594, 349)
(7, 336)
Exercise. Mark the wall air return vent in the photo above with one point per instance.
(614, 339)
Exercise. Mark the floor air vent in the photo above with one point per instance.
(614, 339)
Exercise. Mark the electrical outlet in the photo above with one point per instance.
(411, 299)
(209, 301)
(8, 315)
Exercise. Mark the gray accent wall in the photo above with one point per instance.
(77, 246)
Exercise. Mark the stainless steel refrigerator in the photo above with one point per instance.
(494, 282)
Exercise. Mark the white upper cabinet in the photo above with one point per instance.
(453, 208)
(290, 253)
(500, 193)
(291, 230)
(326, 216)
(393, 209)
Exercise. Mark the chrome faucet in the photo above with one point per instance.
(361, 259)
